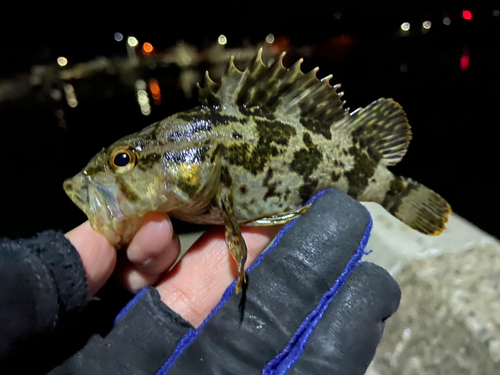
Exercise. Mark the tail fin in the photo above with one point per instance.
(417, 206)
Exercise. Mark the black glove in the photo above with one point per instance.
(311, 308)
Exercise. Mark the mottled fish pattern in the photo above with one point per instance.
(259, 146)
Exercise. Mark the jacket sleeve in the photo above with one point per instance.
(42, 283)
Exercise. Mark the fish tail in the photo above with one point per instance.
(417, 206)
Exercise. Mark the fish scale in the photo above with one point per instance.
(259, 146)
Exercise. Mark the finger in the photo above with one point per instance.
(155, 247)
(97, 255)
(345, 340)
(194, 287)
(151, 252)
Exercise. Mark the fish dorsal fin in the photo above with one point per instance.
(274, 89)
(382, 127)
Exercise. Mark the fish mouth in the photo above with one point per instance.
(99, 203)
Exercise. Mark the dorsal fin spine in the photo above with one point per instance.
(284, 93)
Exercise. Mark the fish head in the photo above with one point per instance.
(169, 166)
(115, 191)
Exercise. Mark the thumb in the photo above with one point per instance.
(97, 254)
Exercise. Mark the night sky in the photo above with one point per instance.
(447, 78)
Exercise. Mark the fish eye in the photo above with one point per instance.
(123, 159)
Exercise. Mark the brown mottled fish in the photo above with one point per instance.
(261, 143)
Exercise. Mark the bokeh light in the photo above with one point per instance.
(222, 40)
(154, 87)
(464, 62)
(405, 26)
(427, 25)
(132, 41)
(447, 21)
(147, 47)
(118, 37)
(62, 61)
(467, 15)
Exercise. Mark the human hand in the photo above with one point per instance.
(193, 288)
(310, 308)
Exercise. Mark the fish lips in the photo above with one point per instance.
(98, 202)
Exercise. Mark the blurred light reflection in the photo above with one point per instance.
(496, 13)
(446, 21)
(118, 37)
(142, 97)
(270, 38)
(427, 25)
(405, 26)
(69, 91)
(154, 87)
(464, 62)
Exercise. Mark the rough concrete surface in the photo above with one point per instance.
(449, 318)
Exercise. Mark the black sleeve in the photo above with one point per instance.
(42, 283)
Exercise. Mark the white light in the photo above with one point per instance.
(132, 41)
(142, 97)
(140, 84)
(427, 25)
(405, 26)
(69, 90)
(118, 37)
(222, 39)
(446, 21)
(270, 38)
(62, 61)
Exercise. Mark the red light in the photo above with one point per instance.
(467, 15)
(464, 62)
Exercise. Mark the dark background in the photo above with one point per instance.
(447, 79)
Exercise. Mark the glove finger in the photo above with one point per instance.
(285, 285)
(345, 339)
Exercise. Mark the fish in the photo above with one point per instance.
(261, 143)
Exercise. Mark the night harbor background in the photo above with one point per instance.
(69, 86)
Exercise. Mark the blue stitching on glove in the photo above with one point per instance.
(191, 335)
(130, 303)
(280, 364)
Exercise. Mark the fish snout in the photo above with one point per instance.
(77, 190)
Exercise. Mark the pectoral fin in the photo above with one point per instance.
(234, 240)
